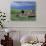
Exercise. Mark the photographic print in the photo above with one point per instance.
(23, 11)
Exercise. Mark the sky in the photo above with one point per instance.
(23, 5)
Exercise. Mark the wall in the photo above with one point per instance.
(40, 13)
(28, 26)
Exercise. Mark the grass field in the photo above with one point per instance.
(20, 18)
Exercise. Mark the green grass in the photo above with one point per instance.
(20, 18)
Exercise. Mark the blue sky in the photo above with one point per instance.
(23, 5)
